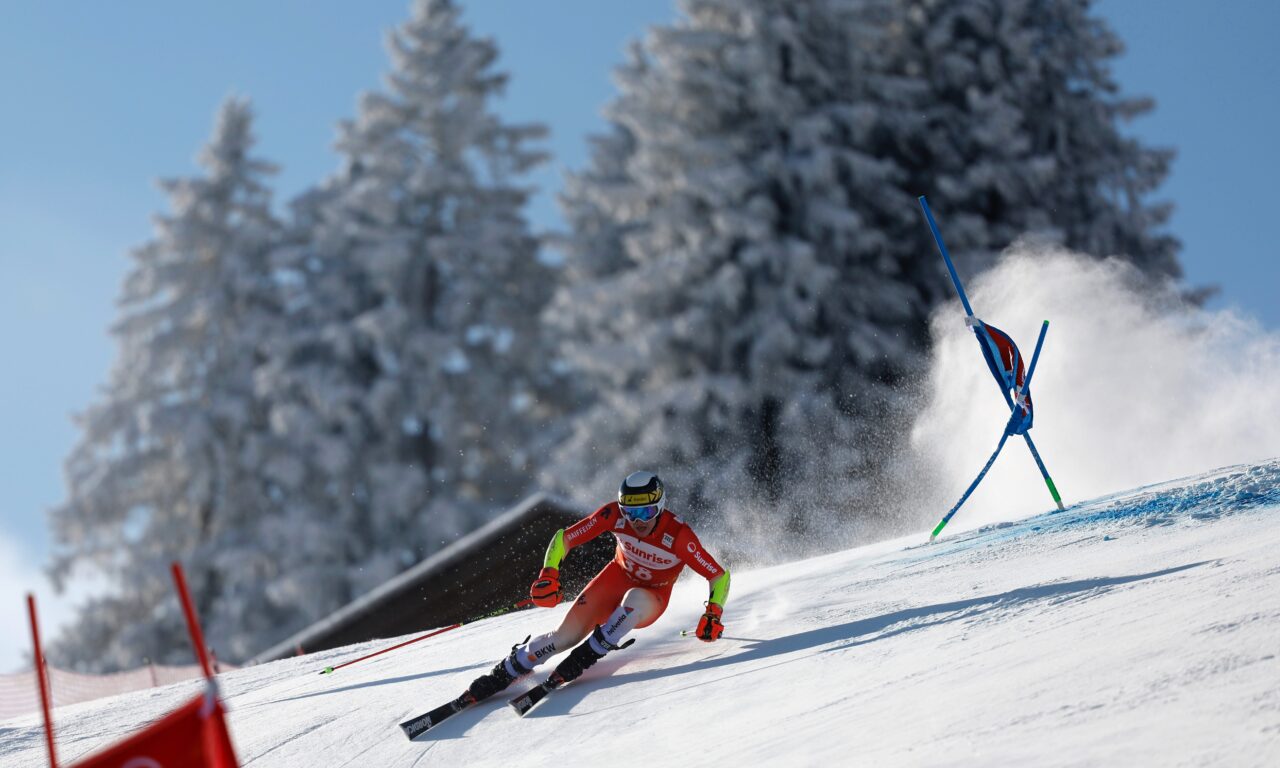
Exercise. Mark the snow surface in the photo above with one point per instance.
(1140, 628)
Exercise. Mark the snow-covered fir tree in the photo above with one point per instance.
(752, 280)
(414, 389)
(1006, 114)
(167, 463)
(600, 204)
(601, 207)
(748, 340)
(313, 384)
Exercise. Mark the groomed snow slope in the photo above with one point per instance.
(1137, 629)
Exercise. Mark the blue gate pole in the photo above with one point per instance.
(1035, 357)
(1026, 387)
(1026, 382)
(947, 517)
(1053, 489)
(942, 248)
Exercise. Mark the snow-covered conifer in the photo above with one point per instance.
(761, 290)
(1006, 114)
(417, 361)
(743, 339)
(167, 463)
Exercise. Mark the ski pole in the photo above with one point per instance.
(694, 633)
(501, 611)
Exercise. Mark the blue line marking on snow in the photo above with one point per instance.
(1229, 491)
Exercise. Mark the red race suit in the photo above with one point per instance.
(652, 561)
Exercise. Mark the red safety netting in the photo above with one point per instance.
(20, 695)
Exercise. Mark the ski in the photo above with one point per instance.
(419, 725)
(530, 698)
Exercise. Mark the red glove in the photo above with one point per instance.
(545, 592)
(709, 627)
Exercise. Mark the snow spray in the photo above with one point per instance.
(1136, 387)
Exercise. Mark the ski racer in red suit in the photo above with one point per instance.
(630, 592)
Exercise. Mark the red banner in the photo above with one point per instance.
(194, 735)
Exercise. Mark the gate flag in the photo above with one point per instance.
(1005, 362)
(194, 735)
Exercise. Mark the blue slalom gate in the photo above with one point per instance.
(1004, 360)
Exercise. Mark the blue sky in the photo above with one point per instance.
(100, 99)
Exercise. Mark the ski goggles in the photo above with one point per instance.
(641, 514)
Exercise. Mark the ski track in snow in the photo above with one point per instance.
(1138, 628)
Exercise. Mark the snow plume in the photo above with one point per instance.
(1133, 387)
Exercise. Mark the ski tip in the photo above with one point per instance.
(416, 727)
(412, 732)
(326, 671)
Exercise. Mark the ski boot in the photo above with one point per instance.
(503, 674)
(581, 659)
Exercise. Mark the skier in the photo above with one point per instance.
(630, 592)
